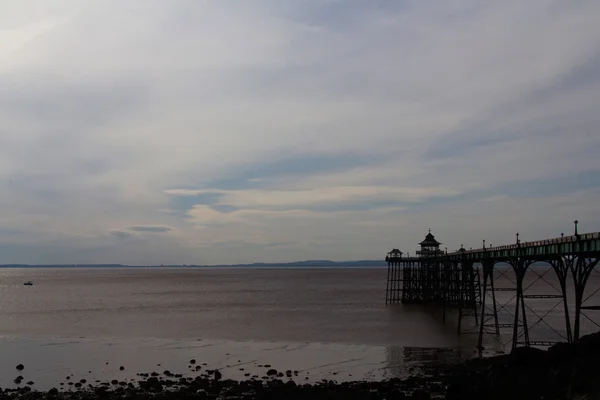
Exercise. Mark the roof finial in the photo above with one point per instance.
(576, 222)
(429, 230)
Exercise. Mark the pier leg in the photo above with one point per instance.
(396, 283)
(466, 292)
(488, 286)
(561, 267)
(472, 292)
(387, 286)
(520, 267)
(446, 289)
(583, 267)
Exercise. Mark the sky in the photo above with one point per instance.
(216, 132)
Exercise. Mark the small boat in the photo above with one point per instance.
(28, 283)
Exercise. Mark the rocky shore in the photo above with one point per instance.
(564, 371)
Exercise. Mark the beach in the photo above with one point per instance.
(328, 323)
(77, 327)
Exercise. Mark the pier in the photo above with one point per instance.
(491, 290)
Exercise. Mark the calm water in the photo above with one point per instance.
(327, 323)
(314, 305)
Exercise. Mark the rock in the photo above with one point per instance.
(272, 372)
(20, 367)
(561, 352)
(18, 380)
(53, 391)
(218, 375)
(121, 368)
(30, 383)
(420, 394)
(395, 394)
(529, 356)
(100, 390)
(192, 361)
(588, 346)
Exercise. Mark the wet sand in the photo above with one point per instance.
(565, 371)
(50, 360)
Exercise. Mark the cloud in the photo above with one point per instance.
(150, 228)
(121, 234)
(281, 130)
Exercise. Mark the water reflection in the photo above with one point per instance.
(403, 361)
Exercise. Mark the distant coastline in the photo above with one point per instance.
(294, 264)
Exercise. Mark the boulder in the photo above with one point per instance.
(420, 394)
(589, 345)
(529, 357)
(561, 352)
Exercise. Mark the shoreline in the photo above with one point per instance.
(48, 360)
(563, 371)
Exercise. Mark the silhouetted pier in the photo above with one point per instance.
(493, 281)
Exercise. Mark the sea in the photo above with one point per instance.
(320, 323)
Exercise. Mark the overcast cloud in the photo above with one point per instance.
(202, 132)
